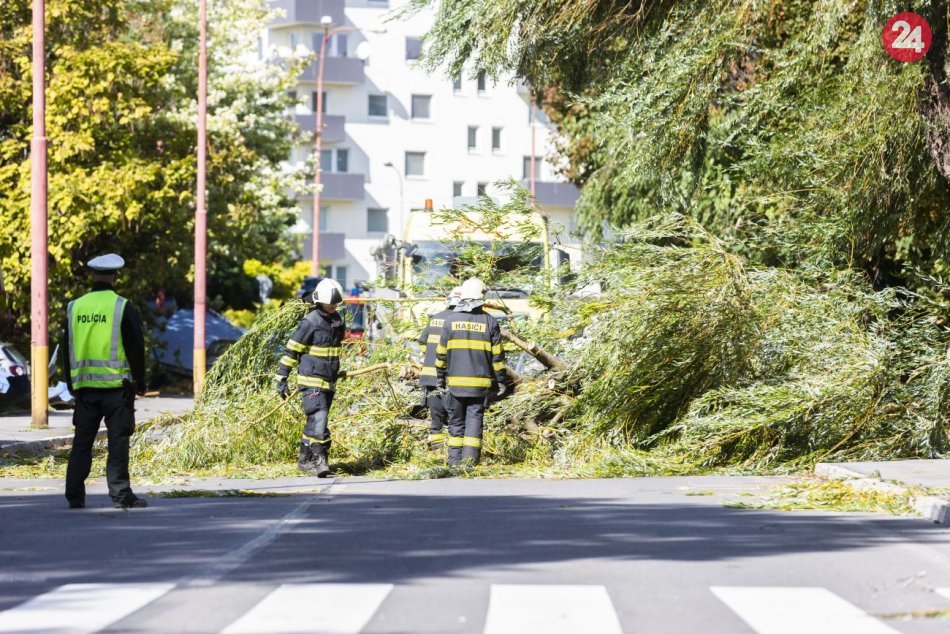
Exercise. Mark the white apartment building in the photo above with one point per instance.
(395, 136)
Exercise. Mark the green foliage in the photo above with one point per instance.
(121, 118)
(782, 125)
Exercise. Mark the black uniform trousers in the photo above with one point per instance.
(466, 416)
(117, 407)
(438, 412)
(316, 405)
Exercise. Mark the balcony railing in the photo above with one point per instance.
(336, 70)
(333, 126)
(551, 194)
(308, 11)
(332, 246)
(342, 186)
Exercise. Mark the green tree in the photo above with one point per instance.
(781, 123)
(121, 122)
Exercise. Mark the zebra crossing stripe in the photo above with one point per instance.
(944, 591)
(80, 608)
(328, 608)
(797, 610)
(550, 609)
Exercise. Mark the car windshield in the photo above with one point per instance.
(433, 260)
(11, 353)
(354, 315)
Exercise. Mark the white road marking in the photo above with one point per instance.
(944, 591)
(550, 609)
(328, 608)
(796, 610)
(80, 608)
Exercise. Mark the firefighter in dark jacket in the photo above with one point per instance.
(470, 365)
(104, 353)
(434, 398)
(314, 349)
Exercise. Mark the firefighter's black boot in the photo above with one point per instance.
(321, 468)
(305, 460)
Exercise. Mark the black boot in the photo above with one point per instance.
(321, 468)
(305, 460)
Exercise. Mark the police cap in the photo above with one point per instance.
(108, 263)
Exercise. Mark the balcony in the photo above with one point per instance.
(551, 194)
(308, 11)
(337, 70)
(342, 186)
(332, 246)
(333, 126)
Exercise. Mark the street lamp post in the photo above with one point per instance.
(39, 347)
(399, 216)
(199, 359)
(326, 22)
(531, 179)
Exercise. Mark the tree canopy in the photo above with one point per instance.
(780, 124)
(121, 124)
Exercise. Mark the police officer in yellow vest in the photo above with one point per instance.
(104, 350)
(470, 363)
(434, 398)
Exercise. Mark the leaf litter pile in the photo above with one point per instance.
(685, 361)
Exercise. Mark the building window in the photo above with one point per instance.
(457, 189)
(342, 160)
(326, 160)
(342, 45)
(415, 163)
(316, 41)
(337, 273)
(377, 220)
(495, 139)
(294, 41)
(481, 81)
(421, 106)
(526, 168)
(480, 189)
(379, 3)
(472, 138)
(457, 83)
(378, 106)
(292, 94)
(313, 101)
(324, 218)
(413, 48)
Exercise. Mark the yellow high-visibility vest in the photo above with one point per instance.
(96, 354)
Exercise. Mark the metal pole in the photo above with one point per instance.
(201, 212)
(39, 345)
(531, 179)
(317, 142)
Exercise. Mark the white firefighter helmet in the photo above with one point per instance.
(472, 289)
(328, 292)
(454, 297)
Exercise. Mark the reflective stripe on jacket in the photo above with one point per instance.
(469, 354)
(430, 339)
(314, 349)
(96, 353)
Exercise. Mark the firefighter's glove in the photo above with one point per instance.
(283, 389)
(502, 390)
(341, 374)
(440, 384)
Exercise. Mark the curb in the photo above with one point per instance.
(935, 509)
(31, 447)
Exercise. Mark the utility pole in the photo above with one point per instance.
(201, 213)
(325, 21)
(531, 179)
(39, 345)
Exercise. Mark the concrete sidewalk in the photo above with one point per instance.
(896, 476)
(16, 435)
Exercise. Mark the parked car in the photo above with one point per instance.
(174, 340)
(14, 378)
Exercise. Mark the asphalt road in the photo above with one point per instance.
(492, 556)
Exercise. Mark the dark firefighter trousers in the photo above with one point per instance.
(316, 405)
(438, 413)
(117, 407)
(466, 416)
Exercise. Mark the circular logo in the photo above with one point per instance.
(906, 37)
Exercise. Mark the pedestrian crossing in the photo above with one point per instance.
(340, 608)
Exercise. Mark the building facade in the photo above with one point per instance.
(394, 136)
